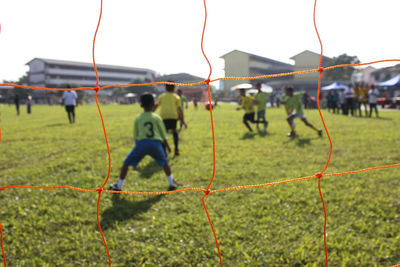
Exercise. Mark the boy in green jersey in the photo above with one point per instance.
(151, 139)
(261, 100)
(184, 104)
(294, 109)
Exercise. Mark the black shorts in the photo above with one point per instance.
(249, 116)
(170, 124)
(70, 108)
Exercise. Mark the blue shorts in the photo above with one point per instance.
(153, 148)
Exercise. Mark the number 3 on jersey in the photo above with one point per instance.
(150, 129)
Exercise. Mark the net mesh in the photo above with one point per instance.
(100, 190)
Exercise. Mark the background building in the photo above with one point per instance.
(308, 60)
(51, 73)
(242, 64)
(199, 91)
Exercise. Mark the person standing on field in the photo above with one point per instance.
(29, 104)
(16, 101)
(69, 101)
(170, 111)
(372, 99)
(151, 139)
(184, 104)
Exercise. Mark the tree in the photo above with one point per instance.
(138, 90)
(342, 73)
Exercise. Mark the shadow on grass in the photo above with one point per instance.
(248, 135)
(56, 124)
(301, 142)
(151, 168)
(123, 209)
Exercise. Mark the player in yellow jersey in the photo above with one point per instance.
(294, 109)
(151, 139)
(247, 104)
(170, 111)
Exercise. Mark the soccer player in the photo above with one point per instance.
(151, 139)
(247, 104)
(170, 111)
(184, 104)
(294, 109)
(261, 98)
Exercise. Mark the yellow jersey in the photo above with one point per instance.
(169, 103)
(247, 104)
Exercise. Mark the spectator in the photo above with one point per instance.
(363, 99)
(373, 94)
(349, 96)
(305, 100)
(342, 101)
(16, 101)
(29, 104)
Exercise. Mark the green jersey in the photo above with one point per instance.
(261, 100)
(183, 100)
(293, 103)
(149, 125)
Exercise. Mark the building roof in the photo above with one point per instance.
(310, 52)
(259, 58)
(395, 68)
(83, 64)
(179, 77)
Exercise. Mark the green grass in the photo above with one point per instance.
(270, 226)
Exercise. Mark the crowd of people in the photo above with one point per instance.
(353, 99)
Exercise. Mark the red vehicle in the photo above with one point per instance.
(383, 101)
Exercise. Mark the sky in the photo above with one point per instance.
(165, 35)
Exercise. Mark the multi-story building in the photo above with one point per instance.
(308, 60)
(51, 73)
(242, 64)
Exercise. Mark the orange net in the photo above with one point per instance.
(206, 191)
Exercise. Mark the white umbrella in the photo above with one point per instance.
(130, 95)
(242, 86)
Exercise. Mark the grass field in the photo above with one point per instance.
(271, 226)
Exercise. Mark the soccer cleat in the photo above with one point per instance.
(172, 187)
(114, 187)
(177, 153)
(320, 132)
(291, 134)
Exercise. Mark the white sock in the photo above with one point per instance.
(120, 183)
(171, 179)
(293, 124)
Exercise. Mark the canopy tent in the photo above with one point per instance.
(393, 82)
(334, 86)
